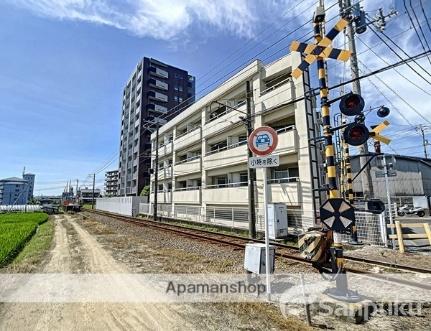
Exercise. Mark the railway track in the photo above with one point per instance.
(283, 250)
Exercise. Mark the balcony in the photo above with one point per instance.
(188, 138)
(287, 140)
(228, 155)
(233, 193)
(187, 195)
(165, 149)
(188, 166)
(283, 191)
(163, 173)
(221, 121)
(158, 84)
(278, 94)
(164, 197)
(158, 72)
(157, 108)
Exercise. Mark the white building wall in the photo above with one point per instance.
(128, 206)
(268, 108)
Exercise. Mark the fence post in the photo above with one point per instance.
(400, 236)
(233, 218)
(383, 232)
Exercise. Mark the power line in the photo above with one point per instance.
(414, 26)
(399, 56)
(397, 71)
(426, 18)
(401, 98)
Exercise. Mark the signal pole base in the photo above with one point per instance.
(343, 295)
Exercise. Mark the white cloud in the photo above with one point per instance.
(161, 19)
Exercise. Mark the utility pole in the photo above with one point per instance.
(94, 184)
(76, 193)
(424, 141)
(366, 179)
(156, 173)
(388, 196)
(251, 171)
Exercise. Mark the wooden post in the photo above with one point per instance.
(428, 231)
(399, 236)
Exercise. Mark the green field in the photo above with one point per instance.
(15, 230)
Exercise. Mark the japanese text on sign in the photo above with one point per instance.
(264, 161)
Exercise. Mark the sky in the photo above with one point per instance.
(63, 66)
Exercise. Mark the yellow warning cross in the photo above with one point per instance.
(321, 49)
(375, 133)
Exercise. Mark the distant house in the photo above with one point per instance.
(413, 178)
(14, 190)
(86, 194)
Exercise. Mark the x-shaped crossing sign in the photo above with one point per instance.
(375, 132)
(321, 49)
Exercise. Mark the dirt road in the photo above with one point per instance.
(76, 251)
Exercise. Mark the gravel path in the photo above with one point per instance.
(76, 251)
(149, 250)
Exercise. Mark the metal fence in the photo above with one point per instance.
(233, 217)
(371, 228)
(20, 208)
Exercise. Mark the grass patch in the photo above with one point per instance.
(16, 229)
(33, 253)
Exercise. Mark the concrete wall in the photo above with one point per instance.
(128, 206)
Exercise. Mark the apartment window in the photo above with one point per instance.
(243, 177)
(284, 174)
(218, 146)
(221, 180)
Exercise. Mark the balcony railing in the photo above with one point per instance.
(188, 159)
(237, 184)
(188, 131)
(189, 188)
(283, 180)
(220, 149)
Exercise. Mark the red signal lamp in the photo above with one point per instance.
(356, 134)
(352, 104)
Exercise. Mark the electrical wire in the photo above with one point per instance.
(414, 26)
(425, 15)
(397, 71)
(396, 94)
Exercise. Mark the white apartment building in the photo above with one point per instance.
(203, 151)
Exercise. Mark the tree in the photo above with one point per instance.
(145, 191)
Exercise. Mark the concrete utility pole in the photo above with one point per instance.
(156, 174)
(251, 171)
(424, 141)
(94, 184)
(366, 180)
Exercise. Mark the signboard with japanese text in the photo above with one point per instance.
(264, 161)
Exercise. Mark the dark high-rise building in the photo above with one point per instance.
(154, 91)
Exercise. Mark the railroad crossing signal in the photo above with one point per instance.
(321, 49)
(352, 104)
(356, 134)
(337, 214)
